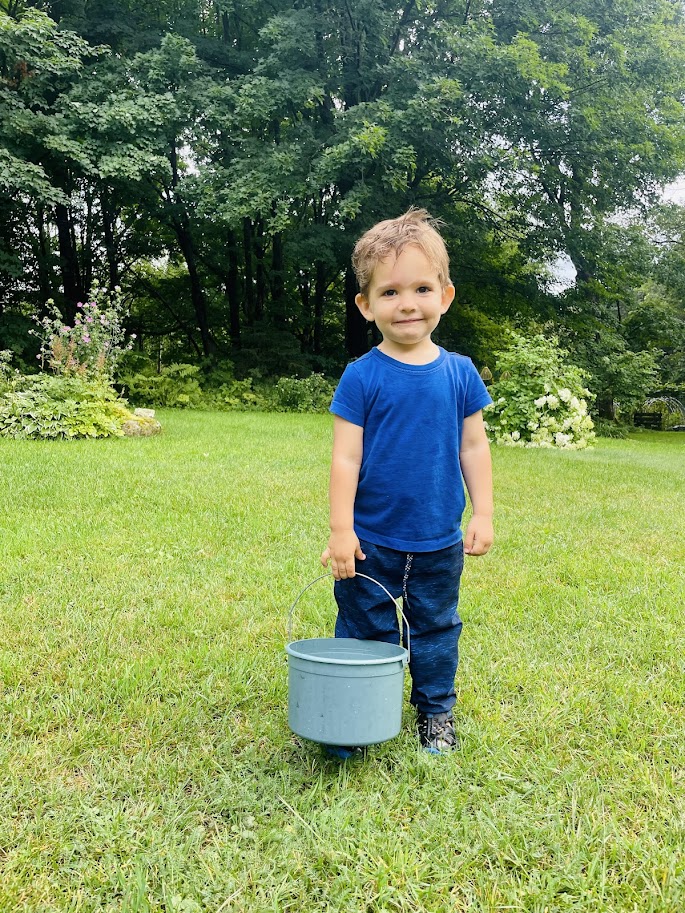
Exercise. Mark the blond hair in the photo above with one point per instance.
(390, 237)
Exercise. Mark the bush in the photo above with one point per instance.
(176, 386)
(241, 396)
(612, 429)
(5, 369)
(303, 394)
(188, 386)
(46, 406)
(538, 400)
(95, 343)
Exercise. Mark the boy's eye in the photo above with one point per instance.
(423, 289)
(389, 292)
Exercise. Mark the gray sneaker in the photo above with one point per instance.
(436, 733)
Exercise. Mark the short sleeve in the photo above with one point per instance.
(348, 399)
(477, 396)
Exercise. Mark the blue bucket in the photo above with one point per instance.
(343, 691)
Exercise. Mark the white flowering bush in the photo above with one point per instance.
(538, 400)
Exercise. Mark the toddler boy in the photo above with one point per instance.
(408, 429)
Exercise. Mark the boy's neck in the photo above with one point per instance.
(422, 354)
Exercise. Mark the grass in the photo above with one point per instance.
(145, 758)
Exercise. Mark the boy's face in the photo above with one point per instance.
(405, 300)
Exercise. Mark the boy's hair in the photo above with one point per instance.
(391, 237)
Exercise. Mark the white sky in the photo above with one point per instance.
(563, 270)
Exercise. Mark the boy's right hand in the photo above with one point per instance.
(341, 551)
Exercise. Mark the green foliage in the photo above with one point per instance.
(627, 377)
(5, 367)
(303, 394)
(538, 399)
(176, 385)
(241, 396)
(246, 147)
(55, 407)
(611, 429)
(188, 386)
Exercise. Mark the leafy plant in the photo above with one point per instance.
(242, 396)
(57, 407)
(176, 385)
(538, 399)
(303, 394)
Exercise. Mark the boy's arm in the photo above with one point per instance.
(476, 467)
(343, 544)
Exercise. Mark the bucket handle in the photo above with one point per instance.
(366, 577)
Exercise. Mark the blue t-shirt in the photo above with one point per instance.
(410, 495)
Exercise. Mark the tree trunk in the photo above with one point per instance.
(277, 280)
(319, 301)
(197, 294)
(305, 334)
(260, 298)
(108, 222)
(232, 290)
(250, 309)
(87, 243)
(68, 260)
(43, 255)
(356, 329)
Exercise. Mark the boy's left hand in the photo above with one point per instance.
(479, 535)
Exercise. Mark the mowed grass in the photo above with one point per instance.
(145, 758)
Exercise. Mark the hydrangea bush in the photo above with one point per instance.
(538, 399)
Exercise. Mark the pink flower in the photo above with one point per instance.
(89, 319)
(79, 304)
(86, 337)
(65, 330)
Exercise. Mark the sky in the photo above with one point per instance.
(562, 268)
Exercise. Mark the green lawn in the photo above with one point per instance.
(145, 758)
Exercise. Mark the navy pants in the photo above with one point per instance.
(429, 585)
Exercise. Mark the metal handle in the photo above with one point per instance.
(366, 577)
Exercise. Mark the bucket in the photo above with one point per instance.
(343, 691)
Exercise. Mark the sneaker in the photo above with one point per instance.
(343, 752)
(436, 732)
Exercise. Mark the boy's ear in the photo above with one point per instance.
(447, 297)
(362, 303)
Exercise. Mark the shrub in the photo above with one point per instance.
(176, 385)
(241, 396)
(612, 429)
(538, 399)
(95, 343)
(303, 394)
(47, 406)
(5, 369)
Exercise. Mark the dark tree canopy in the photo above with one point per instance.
(219, 160)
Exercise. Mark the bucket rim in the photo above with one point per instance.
(401, 656)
